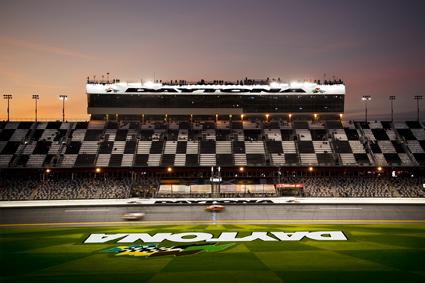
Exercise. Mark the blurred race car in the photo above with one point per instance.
(133, 216)
(215, 208)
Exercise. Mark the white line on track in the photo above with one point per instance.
(341, 208)
(86, 210)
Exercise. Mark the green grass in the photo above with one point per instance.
(373, 253)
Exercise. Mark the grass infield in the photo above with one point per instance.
(372, 253)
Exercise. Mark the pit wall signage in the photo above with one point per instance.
(218, 201)
(193, 237)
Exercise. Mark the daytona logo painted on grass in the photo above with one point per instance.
(191, 237)
(153, 250)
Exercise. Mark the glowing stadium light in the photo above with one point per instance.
(379, 169)
(290, 116)
(341, 115)
(98, 170)
(149, 84)
(392, 98)
(310, 169)
(308, 84)
(315, 116)
(8, 97)
(242, 115)
(48, 170)
(63, 98)
(365, 99)
(417, 98)
(169, 169)
(267, 117)
(36, 97)
(241, 169)
(274, 85)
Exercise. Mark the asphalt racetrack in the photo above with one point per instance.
(196, 214)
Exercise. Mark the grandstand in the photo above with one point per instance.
(252, 142)
(135, 158)
(239, 150)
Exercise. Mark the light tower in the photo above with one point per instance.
(392, 98)
(8, 97)
(417, 98)
(36, 97)
(365, 99)
(63, 97)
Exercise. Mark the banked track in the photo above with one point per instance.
(61, 215)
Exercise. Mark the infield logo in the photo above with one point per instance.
(153, 250)
(191, 237)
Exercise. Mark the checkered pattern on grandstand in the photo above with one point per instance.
(209, 143)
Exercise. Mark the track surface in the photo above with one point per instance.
(173, 215)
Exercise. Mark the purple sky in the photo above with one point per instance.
(50, 47)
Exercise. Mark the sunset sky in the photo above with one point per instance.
(50, 47)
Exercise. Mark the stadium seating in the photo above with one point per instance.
(250, 142)
(83, 186)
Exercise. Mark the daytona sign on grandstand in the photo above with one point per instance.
(191, 237)
(218, 90)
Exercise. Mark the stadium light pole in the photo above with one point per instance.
(8, 97)
(63, 97)
(36, 97)
(392, 98)
(417, 98)
(365, 99)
